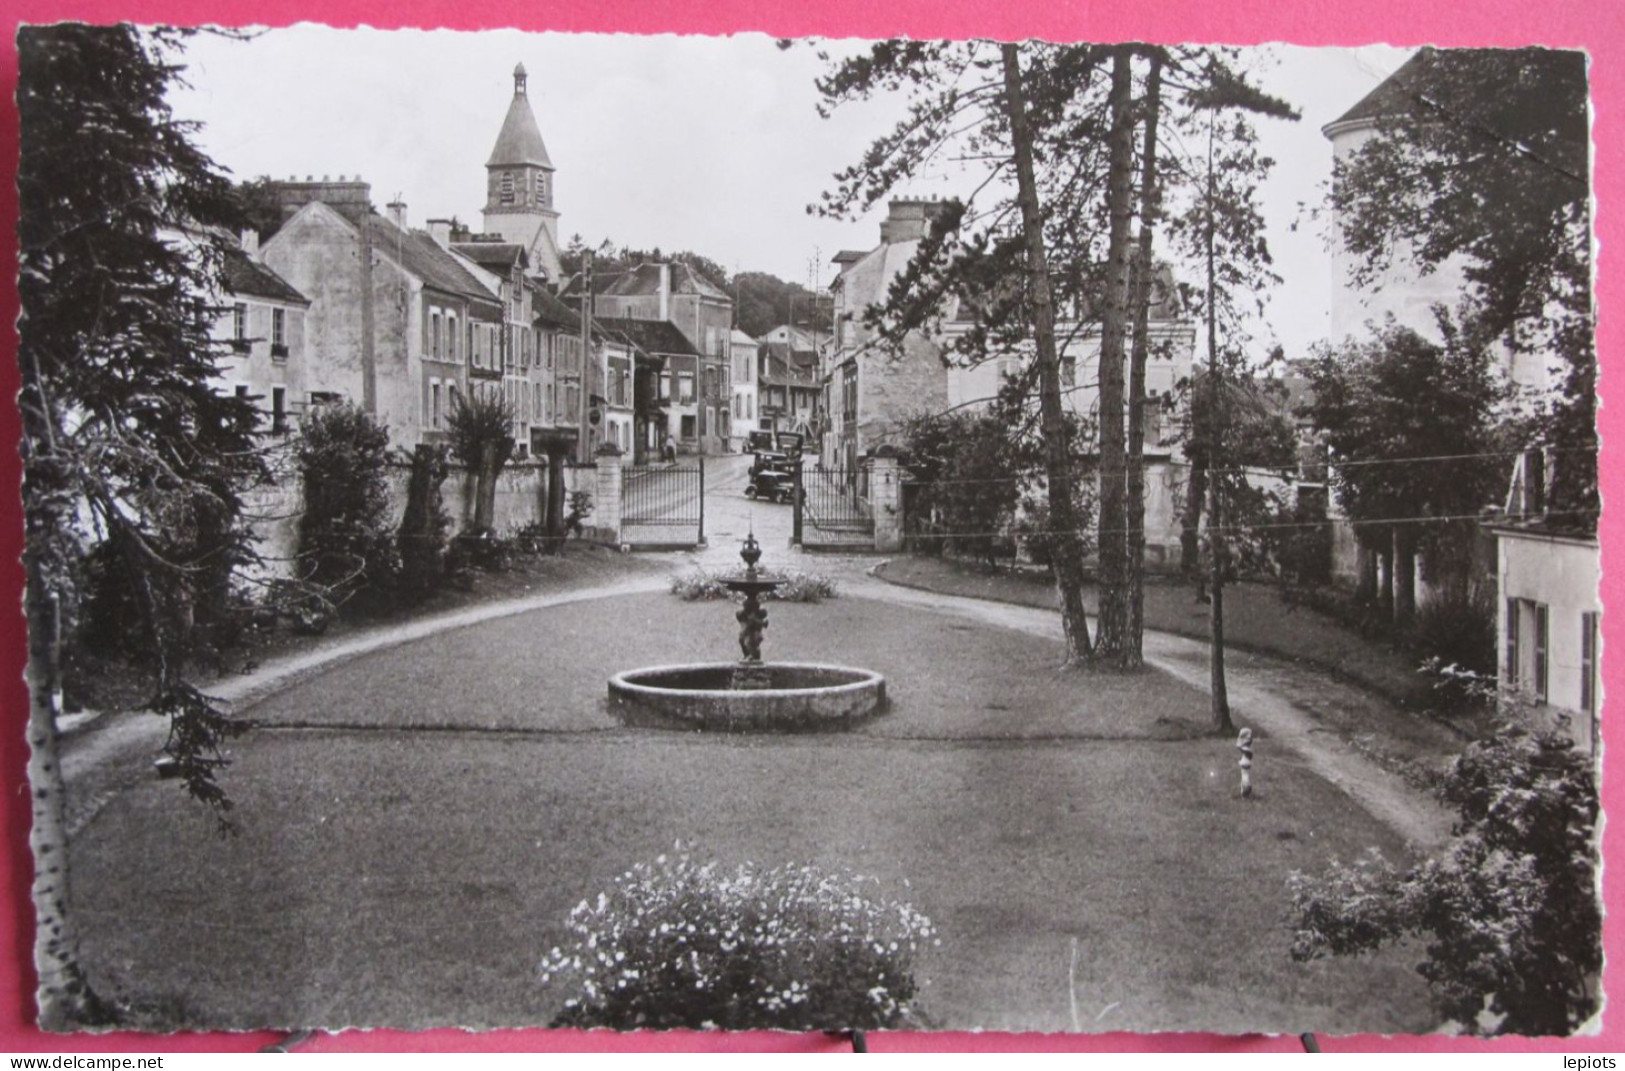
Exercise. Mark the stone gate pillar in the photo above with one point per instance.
(606, 514)
(886, 499)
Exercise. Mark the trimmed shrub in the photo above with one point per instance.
(680, 944)
(480, 430)
(346, 539)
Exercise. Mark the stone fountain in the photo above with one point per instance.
(749, 695)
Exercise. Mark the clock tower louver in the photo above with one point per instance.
(519, 185)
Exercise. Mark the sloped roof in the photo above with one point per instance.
(655, 336)
(520, 142)
(421, 255)
(602, 327)
(493, 254)
(644, 280)
(787, 366)
(550, 310)
(250, 278)
(739, 338)
(1392, 95)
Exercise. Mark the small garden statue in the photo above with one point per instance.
(1244, 744)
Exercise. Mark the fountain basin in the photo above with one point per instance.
(800, 697)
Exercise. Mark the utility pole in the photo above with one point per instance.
(1217, 550)
(583, 455)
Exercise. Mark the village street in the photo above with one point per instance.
(390, 665)
(431, 804)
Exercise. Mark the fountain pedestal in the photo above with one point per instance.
(750, 694)
(752, 618)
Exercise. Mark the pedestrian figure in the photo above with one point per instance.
(671, 450)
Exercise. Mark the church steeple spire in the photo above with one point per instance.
(519, 181)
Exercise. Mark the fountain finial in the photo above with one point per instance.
(750, 553)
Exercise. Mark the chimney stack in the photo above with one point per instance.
(350, 198)
(397, 213)
(909, 219)
(249, 239)
(440, 230)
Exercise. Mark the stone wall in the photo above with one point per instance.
(521, 499)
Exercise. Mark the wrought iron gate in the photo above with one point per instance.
(833, 509)
(663, 504)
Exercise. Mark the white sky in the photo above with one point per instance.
(703, 143)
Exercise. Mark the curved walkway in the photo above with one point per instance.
(87, 750)
(1254, 701)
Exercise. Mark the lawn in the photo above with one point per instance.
(1256, 618)
(418, 823)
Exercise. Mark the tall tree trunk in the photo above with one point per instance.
(1218, 549)
(1385, 577)
(1133, 653)
(555, 493)
(1068, 555)
(1366, 584)
(485, 487)
(66, 1000)
(422, 536)
(1404, 574)
(1190, 531)
(1112, 628)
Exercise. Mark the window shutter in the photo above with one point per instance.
(1588, 663)
(1540, 651)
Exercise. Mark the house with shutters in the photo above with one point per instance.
(394, 315)
(665, 384)
(263, 324)
(701, 314)
(1548, 565)
(615, 405)
(557, 372)
(743, 354)
(504, 268)
(789, 390)
(872, 392)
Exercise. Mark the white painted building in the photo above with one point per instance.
(1548, 572)
(1402, 291)
(742, 350)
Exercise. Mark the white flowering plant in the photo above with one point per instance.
(796, 586)
(677, 943)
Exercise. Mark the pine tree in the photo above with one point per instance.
(119, 262)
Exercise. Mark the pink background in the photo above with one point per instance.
(1594, 25)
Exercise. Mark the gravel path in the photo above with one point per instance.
(1254, 685)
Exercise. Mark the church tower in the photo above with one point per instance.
(519, 185)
